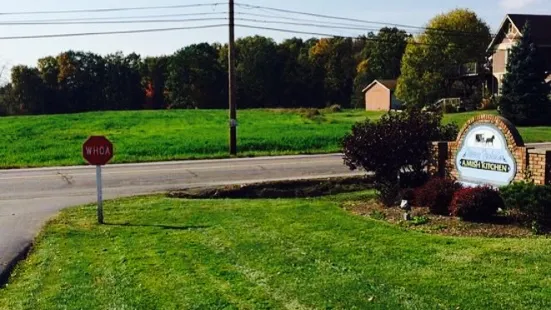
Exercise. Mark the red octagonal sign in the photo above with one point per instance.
(97, 150)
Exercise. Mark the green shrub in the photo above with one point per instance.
(437, 194)
(419, 220)
(377, 215)
(476, 204)
(532, 201)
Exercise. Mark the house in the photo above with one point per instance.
(379, 96)
(508, 34)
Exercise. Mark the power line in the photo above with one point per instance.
(249, 6)
(116, 18)
(311, 23)
(63, 35)
(328, 34)
(76, 22)
(140, 18)
(299, 19)
(82, 34)
(137, 8)
(305, 24)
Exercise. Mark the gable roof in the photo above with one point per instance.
(389, 84)
(540, 27)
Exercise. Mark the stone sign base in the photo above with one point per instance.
(530, 162)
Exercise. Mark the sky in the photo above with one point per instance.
(28, 51)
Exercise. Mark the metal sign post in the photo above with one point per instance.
(100, 198)
(98, 151)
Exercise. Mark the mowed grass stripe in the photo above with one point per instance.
(141, 136)
(160, 253)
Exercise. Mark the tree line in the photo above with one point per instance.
(290, 74)
(293, 73)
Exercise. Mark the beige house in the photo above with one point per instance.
(508, 35)
(379, 96)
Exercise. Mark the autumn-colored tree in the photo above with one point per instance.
(154, 77)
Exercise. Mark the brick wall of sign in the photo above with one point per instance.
(532, 163)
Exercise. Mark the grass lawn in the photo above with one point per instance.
(161, 253)
(33, 141)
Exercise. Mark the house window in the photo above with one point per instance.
(510, 30)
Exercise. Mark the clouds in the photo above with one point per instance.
(516, 4)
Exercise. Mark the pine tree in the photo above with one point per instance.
(525, 94)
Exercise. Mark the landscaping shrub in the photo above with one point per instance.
(448, 132)
(386, 146)
(532, 201)
(476, 204)
(437, 195)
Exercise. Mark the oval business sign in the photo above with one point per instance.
(484, 157)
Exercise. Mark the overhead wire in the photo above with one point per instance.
(121, 9)
(76, 22)
(308, 23)
(242, 5)
(81, 34)
(85, 22)
(324, 34)
(118, 17)
(264, 8)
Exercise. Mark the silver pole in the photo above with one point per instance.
(100, 198)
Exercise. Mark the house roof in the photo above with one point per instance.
(540, 27)
(389, 84)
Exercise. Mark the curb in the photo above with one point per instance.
(6, 270)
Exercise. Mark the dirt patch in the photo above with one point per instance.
(501, 226)
(280, 189)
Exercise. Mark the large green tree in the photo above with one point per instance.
(123, 88)
(196, 78)
(49, 72)
(525, 93)
(381, 59)
(335, 58)
(432, 59)
(258, 73)
(28, 90)
(299, 86)
(81, 81)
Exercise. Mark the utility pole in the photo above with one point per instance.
(232, 82)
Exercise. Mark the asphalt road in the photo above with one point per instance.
(30, 197)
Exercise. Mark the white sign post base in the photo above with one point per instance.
(100, 196)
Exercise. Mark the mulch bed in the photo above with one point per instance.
(501, 226)
(279, 189)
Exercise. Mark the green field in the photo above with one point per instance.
(161, 253)
(33, 141)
